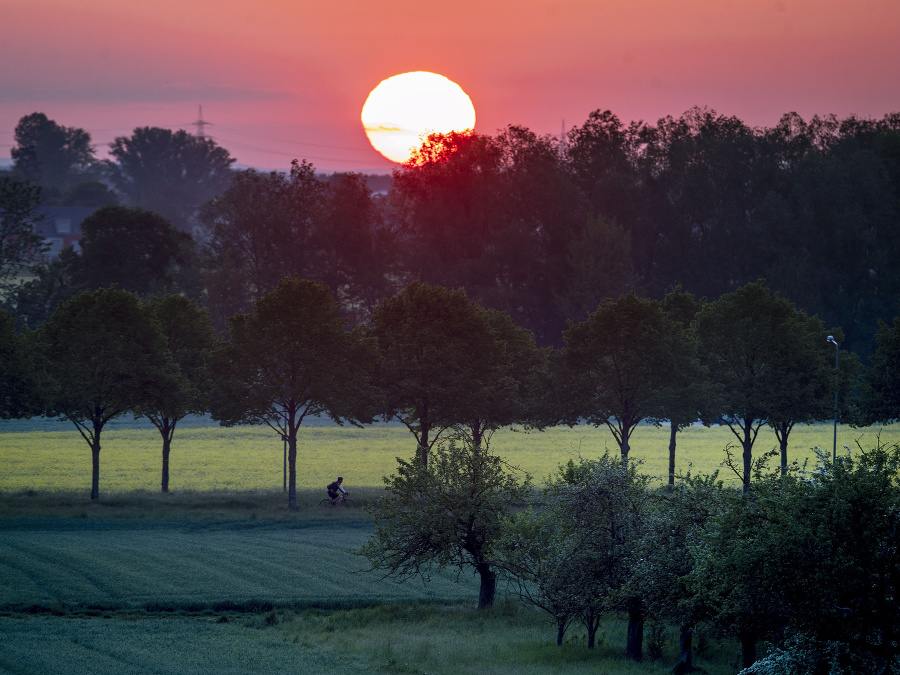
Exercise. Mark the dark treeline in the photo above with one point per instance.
(541, 227)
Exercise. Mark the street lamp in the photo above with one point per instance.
(834, 449)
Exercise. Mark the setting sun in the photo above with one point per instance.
(403, 109)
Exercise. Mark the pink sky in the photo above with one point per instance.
(284, 79)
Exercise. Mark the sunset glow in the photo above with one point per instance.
(404, 109)
(283, 80)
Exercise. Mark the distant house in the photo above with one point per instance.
(61, 226)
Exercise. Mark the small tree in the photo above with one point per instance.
(445, 514)
(191, 340)
(290, 358)
(537, 553)
(575, 557)
(104, 357)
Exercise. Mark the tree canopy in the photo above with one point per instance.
(169, 172)
(292, 357)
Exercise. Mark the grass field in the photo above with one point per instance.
(251, 458)
(265, 595)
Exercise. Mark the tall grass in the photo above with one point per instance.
(251, 458)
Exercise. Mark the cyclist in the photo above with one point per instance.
(333, 489)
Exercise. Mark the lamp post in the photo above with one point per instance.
(834, 449)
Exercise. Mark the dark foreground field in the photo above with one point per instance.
(234, 583)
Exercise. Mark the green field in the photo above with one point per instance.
(207, 594)
(251, 458)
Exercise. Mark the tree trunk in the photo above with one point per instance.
(673, 432)
(625, 449)
(748, 458)
(95, 468)
(167, 445)
(592, 623)
(292, 470)
(685, 644)
(784, 462)
(488, 585)
(748, 648)
(561, 623)
(635, 644)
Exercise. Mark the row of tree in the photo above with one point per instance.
(435, 360)
(540, 227)
(809, 562)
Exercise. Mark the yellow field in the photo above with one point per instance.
(251, 458)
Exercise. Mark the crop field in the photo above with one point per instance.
(251, 458)
(203, 595)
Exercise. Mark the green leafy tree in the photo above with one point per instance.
(169, 172)
(675, 521)
(574, 557)
(18, 372)
(603, 503)
(104, 357)
(739, 581)
(257, 231)
(138, 250)
(544, 563)
(881, 397)
(34, 301)
(290, 358)
(192, 342)
(445, 514)
(688, 381)
(768, 364)
(620, 363)
(446, 361)
(20, 245)
(51, 155)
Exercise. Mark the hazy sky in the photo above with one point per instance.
(284, 79)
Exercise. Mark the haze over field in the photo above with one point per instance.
(280, 80)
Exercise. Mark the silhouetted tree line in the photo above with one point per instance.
(540, 227)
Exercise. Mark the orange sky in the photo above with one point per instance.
(284, 79)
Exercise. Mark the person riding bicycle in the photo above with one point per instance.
(333, 489)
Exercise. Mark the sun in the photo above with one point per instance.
(403, 109)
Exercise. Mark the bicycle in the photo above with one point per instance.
(342, 501)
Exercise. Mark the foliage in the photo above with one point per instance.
(881, 398)
(446, 361)
(20, 244)
(290, 358)
(192, 342)
(445, 514)
(18, 373)
(574, 558)
(139, 251)
(624, 365)
(170, 173)
(267, 226)
(51, 155)
(769, 363)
